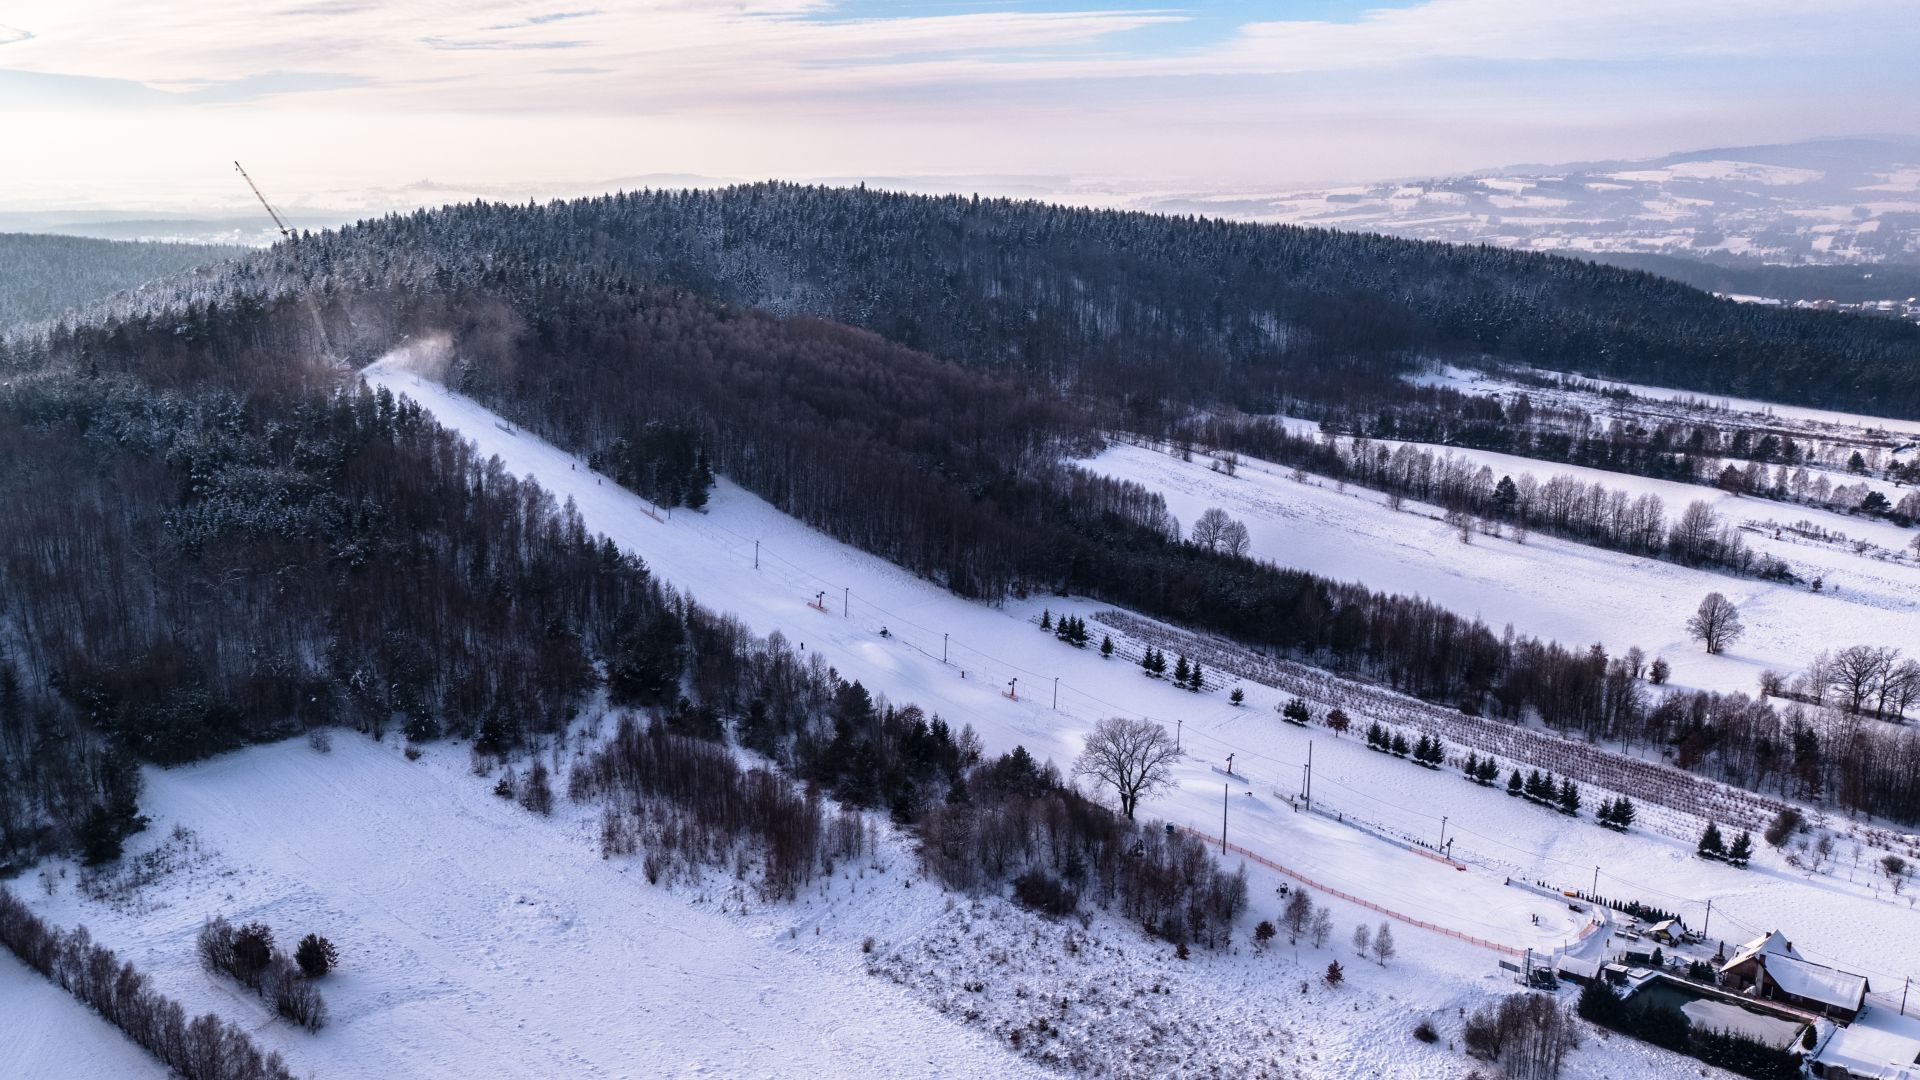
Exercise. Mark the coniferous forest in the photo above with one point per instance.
(200, 498)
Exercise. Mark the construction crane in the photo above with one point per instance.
(285, 233)
(319, 324)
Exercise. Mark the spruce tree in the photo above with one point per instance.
(1711, 845)
(1196, 682)
(1180, 671)
(1489, 772)
(1569, 798)
(1399, 745)
(1106, 647)
(1238, 697)
(1742, 849)
(1623, 814)
(1046, 618)
(1515, 784)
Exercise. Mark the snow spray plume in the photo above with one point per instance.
(426, 355)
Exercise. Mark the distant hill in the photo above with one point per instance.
(1150, 311)
(1820, 202)
(49, 276)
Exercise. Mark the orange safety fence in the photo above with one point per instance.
(1368, 904)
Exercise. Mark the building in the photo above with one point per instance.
(1882, 1045)
(1668, 931)
(1769, 967)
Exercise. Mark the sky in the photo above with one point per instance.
(110, 103)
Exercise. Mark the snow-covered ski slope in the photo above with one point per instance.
(712, 556)
(1560, 589)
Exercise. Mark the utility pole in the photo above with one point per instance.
(943, 648)
(1056, 692)
(1224, 803)
(1903, 994)
(1709, 922)
(756, 554)
(1309, 792)
(1443, 832)
(1595, 894)
(1178, 725)
(846, 600)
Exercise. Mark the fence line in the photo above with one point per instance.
(1349, 898)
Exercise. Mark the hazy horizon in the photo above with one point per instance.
(144, 109)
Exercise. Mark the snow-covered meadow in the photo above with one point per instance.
(1560, 589)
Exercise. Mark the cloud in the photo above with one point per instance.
(756, 87)
(542, 20)
(497, 43)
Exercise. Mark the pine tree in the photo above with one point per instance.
(1515, 784)
(1711, 845)
(1742, 849)
(1196, 681)
(1263, 934)
(1488, 773)
(1146, 662)
(1569, 798)
(1471, 770)
(315, 955)
(1046, 618)
(1238, 697)
(1334, 975)
(1106, 647)
(1399, 745)
(1623, 814)
(1180, 671)
(701, 483)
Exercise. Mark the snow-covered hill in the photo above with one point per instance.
(1822, 201)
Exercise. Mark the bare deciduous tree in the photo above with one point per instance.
(1210, 528)
(1133, 757)
(1234, 539)
(1717, 623)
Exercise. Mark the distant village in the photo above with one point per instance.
(1908, 309)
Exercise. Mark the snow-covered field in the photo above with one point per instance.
(1554, 588)
(1825, 422)
(476, 935)
(478, 939)
(44, 1032)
